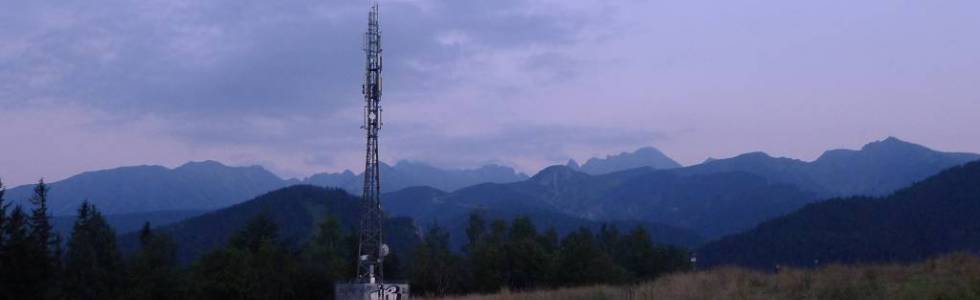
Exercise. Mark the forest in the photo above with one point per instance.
(255, 263)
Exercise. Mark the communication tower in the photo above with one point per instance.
(371, 250)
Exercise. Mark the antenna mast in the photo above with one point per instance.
(371, 248)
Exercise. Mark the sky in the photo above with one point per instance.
(88, 85)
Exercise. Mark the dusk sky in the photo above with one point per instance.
(88, 85)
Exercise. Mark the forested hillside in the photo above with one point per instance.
(293, 244)
(296, 210)
(709, 205)
(935, 216)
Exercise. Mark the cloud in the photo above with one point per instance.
(221, 58)
(521, 82)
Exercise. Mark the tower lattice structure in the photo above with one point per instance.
(371, 247)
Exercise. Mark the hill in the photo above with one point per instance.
(192, 186)
(296, 209)
(710, 205)
(431, 206)
(211, 185)
(935, 216)
(126, 223)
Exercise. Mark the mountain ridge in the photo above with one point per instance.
(642, 157)
(934, 216)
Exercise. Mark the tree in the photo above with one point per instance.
(436, 269)
(258, 232)
(153, 271)
(17, 252)
(475, 229)
(253, 266)
(527, 260)
(581, 261)
(93, 264)
(326, 260)
(639, 255)
(608, 239)
(45, 253)
(3, 223)
(549, 240)
(487, 257)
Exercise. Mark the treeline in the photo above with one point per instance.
(516, 256)
(254, 263)
(35, 263)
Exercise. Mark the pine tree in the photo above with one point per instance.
(3, 223)
(487, 259)
(259, 231)
(435, 269)
(253, 266)
(583, 262)
(527, 260)
(475, 229)
(639, 255)
(17, 255)
(45, 254)
(153, 271)
(93, 264)
(326, 260)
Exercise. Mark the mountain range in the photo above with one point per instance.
(714, 199)
(878, 168)
(193, 186)
(209, 185)
(700, 202)
(710, 205)
(407, 174)
(643, 157)
(935, 216)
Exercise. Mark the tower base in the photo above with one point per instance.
(371, 291)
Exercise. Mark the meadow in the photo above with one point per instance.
(955, 276)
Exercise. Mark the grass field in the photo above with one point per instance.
(949, 277)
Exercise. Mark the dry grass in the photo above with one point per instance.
(950, 277)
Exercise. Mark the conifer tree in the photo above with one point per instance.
(153, 271)
(582, 261)
(436, 269)
(326, 260)
(487, 257)
(475, 230)
(253, 266)
(93, 264)
(527, 260)
(3, 222)
(45, 254)
(640, 256)
(18, 251)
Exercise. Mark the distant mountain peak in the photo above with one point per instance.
(642, 157)
(411, 163)
(203, 163)
(573, 164)
(556, 173)
(757, 156)
(893, 143)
